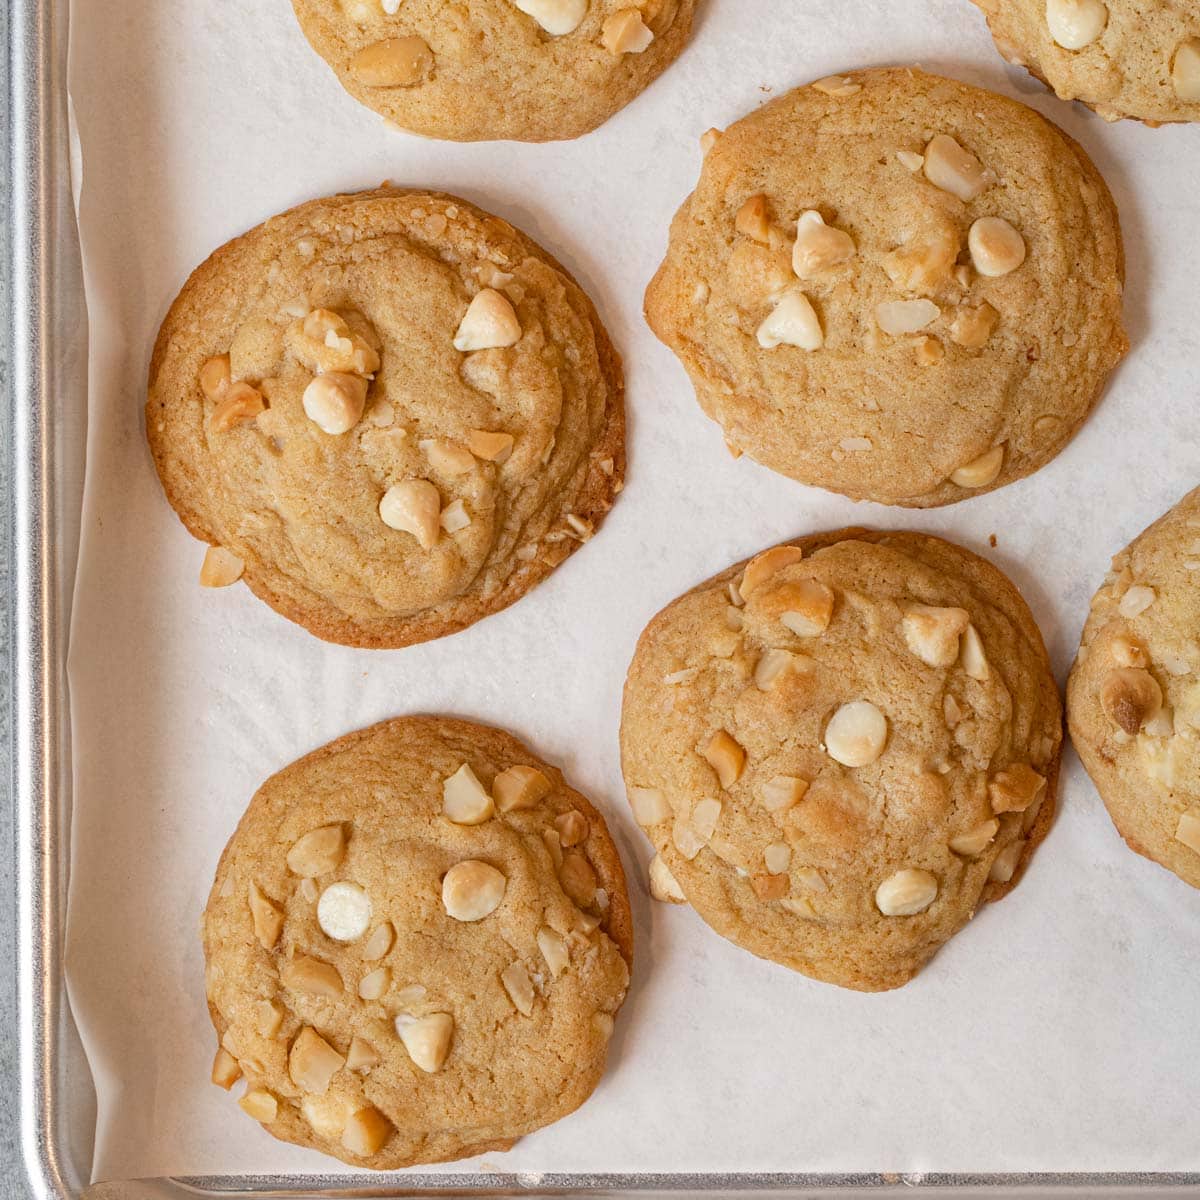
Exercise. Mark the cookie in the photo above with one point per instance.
(390, 413)
(841, 748)
(1133, 698)
(1123, 58)
(529, 70)
(895, 286)
(416, 943)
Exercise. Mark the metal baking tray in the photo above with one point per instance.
(47, 391)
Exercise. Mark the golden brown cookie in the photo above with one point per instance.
(841, 748)
(390, 413)
(416, 943)
(895, 286)
(529, 70)
(1133, 699)
(1124, 58)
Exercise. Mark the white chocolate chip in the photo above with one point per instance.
(220, 568)
(556, 17)
(898, 317)
(663, 885)
(996, 247)
(1075, 24)
(1136, 600)
(427, 1039)
(933, 634)
(465, 801)
(792, 323)
(519, 987)
(782, 792)
(974, 660)
(375, 983)
(955, 170)
(624, 32)
(777, 857)
(344, 912)
(649, 806)
(725, 757)
(1005, 865)
(1185, 71)
(554, 950)
(856, 734)
(1188, 831)
(981, 471)
(977, 840)
(906, 893)
(490, 323)
(317, 852)
(414, 506)
(472, 890)
(335, 402)
(819, 246)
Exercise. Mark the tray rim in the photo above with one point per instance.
(41, 231)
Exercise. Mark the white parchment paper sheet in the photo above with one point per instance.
(1058, 1032)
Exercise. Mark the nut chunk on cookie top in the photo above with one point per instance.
(416, 943)
(841, 748)
(1133, 700)
(1124, 58)
(527, 70)
(861, 254)
(390, 414)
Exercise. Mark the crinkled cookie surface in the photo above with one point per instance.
(841, 748)
(472, 70)
(416, 943)
(392, 413)
(895, 286)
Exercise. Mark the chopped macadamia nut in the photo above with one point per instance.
(361, 1056)
(1187, 832)
(762, 566)
(491, 447)
(1015, 788)
(777, 857)
(771, 667)
(414, 506)
(317, 852)
(1136, 600)
(270, 1018)
(663, 885)
(267, 917)
(367, 1132)
(520, 788)
(554, 950)
(490, 323)
(313, 1062)
(1129, 697)
(465, 800)
(394, 62)
(1185, 71)
(519, 987)
(838, 86)
(782, 792)
(427, 1039)
(578, 878)
(625, 32)
(910, 160)
(973, 659)
(972, 327)
(856, 734)
(446, 457)
(933, 634)
(239, 403)
(344, 912)
(455, 517)
(955, 170)
(906, 893)
(996, 247)
(220, 568)
(753, 220)
(809, 607)
(312, 977)
(1005, 865)
(379, 943)
(980, 471)
(472, 890)
(215, 376)
(1075, 24)
(572, 828)
(819, 246)
(649, 806)
(1126, 652)
(977, 840)
(792, 323)
(226, 1070)
(770, 887)
(725, 757)
(898, 317)
(556, 17)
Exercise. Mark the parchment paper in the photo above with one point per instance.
(1059, 1032)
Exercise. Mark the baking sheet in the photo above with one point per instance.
(1057, 1033)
